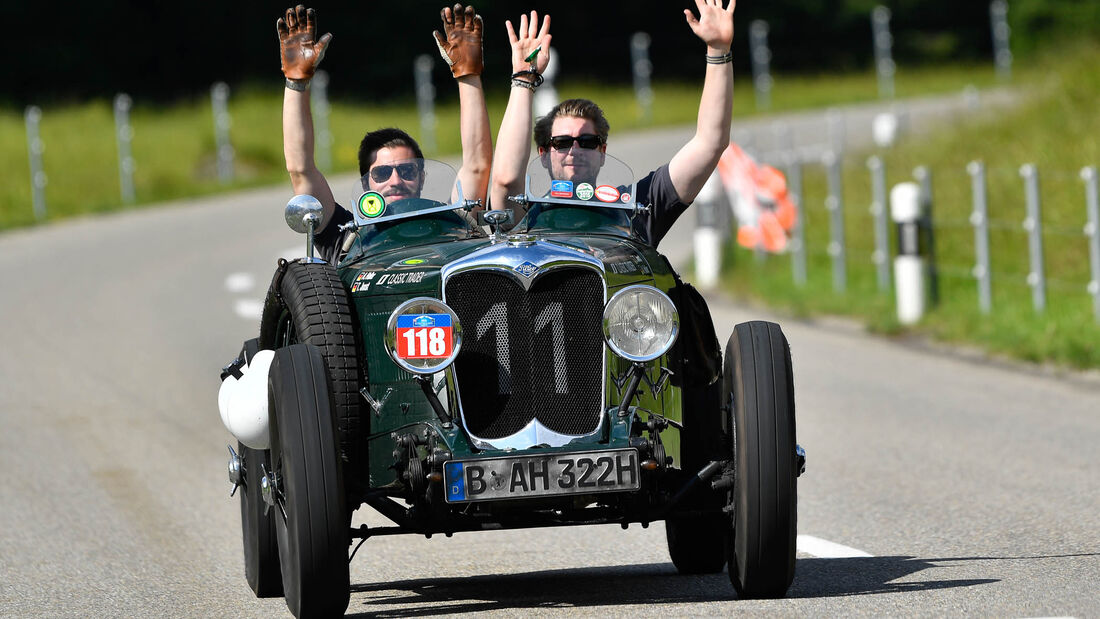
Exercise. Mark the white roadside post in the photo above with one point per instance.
(546, 96)
(708, 236)
(905, 210)
(425, 100)
(642, 69)
(124, 135)
(219, 101)
(32, 117)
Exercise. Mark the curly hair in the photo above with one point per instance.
(576, 108)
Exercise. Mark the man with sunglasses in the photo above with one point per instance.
(572, 137)
(389, 159)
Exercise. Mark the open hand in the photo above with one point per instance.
(298, 44)
(529, 38)
(715, 24)
(460, 45)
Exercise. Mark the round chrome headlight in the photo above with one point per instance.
(640, 323)
(423, 335)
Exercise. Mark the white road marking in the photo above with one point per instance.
(240, 282)
(249, 308)
(825, 549)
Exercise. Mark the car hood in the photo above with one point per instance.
(415, 271)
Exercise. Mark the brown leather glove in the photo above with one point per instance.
(461, 47)
(301, 51)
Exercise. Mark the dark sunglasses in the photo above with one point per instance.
(381, 173)
(565, 142)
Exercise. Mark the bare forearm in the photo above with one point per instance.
(691, 167)
(297, 132)
(477, 140)
(305, 178)
(513, 146)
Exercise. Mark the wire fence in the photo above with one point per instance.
(1007, 240)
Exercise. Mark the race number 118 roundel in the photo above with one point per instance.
(423, 335)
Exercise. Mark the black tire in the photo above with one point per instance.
(697, 545)
(312, 307)
(261, 552)
(760, 391)
(314, 535)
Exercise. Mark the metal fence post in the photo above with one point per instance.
(884, 44)
(425, 100)
(124, 134)
(1002, 52)
(219, 99)
(1033, 224)
(761, 63)
(32, 117)
(923, 176)
(834, 203)
(642, 69)
(880, 257)
(322, 135)
(1092, 231)
(798, 235)
(979, 218)
(836, 126)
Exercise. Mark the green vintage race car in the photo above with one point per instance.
(560, 374)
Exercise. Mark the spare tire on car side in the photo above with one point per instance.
(261, 553)
(307, 303)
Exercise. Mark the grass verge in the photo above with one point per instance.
(174, 150)
(1056, 130)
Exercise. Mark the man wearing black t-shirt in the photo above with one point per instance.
(572, 138)
(386, 156)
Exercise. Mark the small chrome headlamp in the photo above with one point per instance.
(640, 323)
(423, 335)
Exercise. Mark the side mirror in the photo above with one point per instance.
(304, 214)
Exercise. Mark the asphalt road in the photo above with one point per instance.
(936, 484)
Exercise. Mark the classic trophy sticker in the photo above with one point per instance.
(372, 204)
(585, 191)
(427, 336)
(561, 189)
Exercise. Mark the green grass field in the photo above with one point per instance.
(1056, 129)
(174, 151)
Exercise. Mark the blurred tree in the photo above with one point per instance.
(164, 51)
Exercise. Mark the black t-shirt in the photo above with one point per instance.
(665, 207)
(655, 191)
(328, 242)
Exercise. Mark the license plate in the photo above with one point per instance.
(550, 474)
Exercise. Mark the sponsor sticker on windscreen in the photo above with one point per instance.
(424, 336)
(561, 189)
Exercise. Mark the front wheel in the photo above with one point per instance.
(311, 522)
(759, 389)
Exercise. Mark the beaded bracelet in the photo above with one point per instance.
(536, 77)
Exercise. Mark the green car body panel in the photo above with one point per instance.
(404, 261)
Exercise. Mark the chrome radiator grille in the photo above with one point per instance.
(529, 354)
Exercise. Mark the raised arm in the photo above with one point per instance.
(514, 138)
(694, 163)
(461, 48)
(301, 53)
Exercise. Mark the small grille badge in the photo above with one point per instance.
(527, 269)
